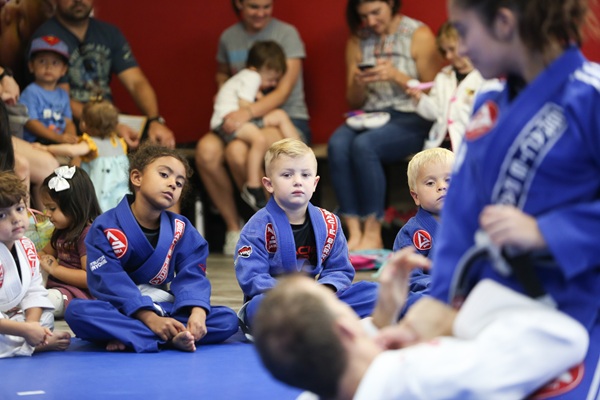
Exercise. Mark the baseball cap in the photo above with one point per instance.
(49, 43)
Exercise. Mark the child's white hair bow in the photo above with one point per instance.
(59, 182)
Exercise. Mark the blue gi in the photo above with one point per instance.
(267, 250)
(122, 265)
(539, 152)
(418, 232)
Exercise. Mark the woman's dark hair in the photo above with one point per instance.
(7, 153)
(353, 19)
(78, 203)
(540, 21)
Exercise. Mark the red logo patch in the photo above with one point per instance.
(332, 228)
(270, 239)
(483, 121)
(245, 251)
(117, 240)
(562, 384)
(422, 240)
(51, 40)
(30, 253)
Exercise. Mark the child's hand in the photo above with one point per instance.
(48, 263)
(35, 334)
(509, 226)
(197, 323)
(414, 93)
(164, 327)
(394, 281)
(68, 138)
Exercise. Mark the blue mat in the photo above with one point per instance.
(85, 371)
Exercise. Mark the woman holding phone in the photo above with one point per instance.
(386, 49)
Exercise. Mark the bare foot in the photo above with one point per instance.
(184, 341)
(115, 345)
(59, 341)
(353, 242)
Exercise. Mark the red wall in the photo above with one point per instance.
(176, 48)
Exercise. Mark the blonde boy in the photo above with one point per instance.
(428, 174)
(291, 235)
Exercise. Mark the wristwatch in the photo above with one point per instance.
(6, 72)
(158, 119)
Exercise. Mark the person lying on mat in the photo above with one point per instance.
(147, 268)
(500, 345)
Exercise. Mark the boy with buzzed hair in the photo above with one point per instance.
(290, 235)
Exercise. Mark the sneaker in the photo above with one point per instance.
(231, 239)
(254, 197)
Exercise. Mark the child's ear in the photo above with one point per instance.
(82, 126)
(415, 197)
(30, 65)
(135, 176)
(267, 184)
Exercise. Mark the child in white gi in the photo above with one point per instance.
(26, 320)
(265, 65)
(146, 267)
(505, 344)
(291, 235)
(70, 203)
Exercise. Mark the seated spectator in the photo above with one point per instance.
(504, 345)
(450, 102)
(103, 154)
(399, 48)
(264, 68)
(98, 50)
(47, 104)
(31, 165)
(256, 23)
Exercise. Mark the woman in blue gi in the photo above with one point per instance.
(147, 268)
(524, 205)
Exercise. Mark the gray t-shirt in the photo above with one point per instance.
(233, 50)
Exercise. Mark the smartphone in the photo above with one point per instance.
(365, 66)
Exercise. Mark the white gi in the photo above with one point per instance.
(19, 294)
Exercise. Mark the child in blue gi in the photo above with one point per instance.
(147, 268)
(428, 175)
(524, 205)
(26, 320)
(48, 105)
(291, 235)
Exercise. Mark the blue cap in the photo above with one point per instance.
(49, 43)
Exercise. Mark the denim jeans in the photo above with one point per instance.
(356, 160)
(304, 128)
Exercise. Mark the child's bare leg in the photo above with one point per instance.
(184, 341)
(59, 341)
(280, 120)
(355, 234)
(252, 135)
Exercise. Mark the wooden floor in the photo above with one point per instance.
(225, 289)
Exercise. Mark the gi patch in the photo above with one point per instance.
(117, 240)
(162, 275)
(270, 239)
(332, 229)
(245, 251)
(1, 275)
(30, 253)
(562, 384)
(422, 240)
(483, 121)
